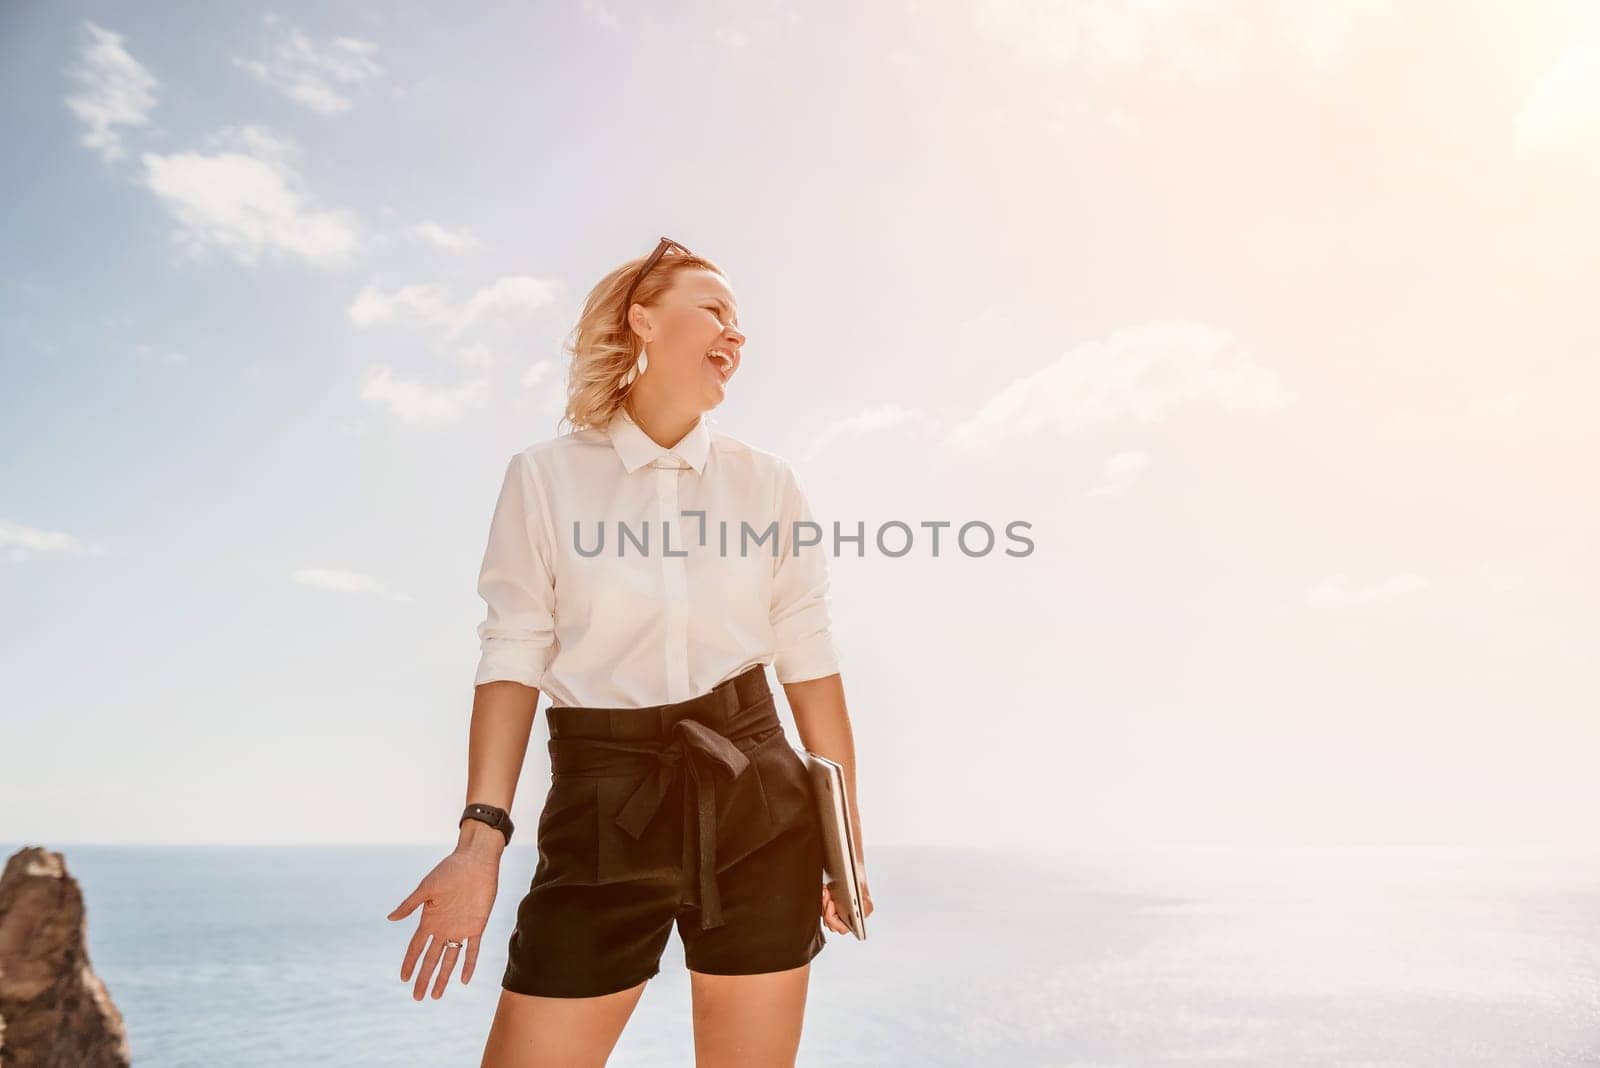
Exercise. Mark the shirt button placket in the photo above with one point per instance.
(675, 581)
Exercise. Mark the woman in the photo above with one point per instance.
(643, 570)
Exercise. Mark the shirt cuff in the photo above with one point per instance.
(810, 658)
(514, 660)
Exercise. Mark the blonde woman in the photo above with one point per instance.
(643, 570)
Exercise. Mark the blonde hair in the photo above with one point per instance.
(603, 345)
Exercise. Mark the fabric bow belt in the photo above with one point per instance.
(707, 755)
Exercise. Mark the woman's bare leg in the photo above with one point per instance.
(535, 1032)
(748, 1021)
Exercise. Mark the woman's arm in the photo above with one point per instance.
(807, 663)
(502, 721)
(458, 894)
(517, 638)
(823, 721)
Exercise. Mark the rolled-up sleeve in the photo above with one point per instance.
(517, 636)
(801, 614)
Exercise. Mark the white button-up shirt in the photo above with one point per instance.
(692, 600)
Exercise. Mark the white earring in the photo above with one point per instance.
(637, 369)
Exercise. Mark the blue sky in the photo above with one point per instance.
(1272, 322)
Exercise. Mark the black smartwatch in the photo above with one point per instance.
(498, 818)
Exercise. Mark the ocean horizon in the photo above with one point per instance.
(1095, 958)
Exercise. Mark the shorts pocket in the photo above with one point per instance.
(565, 833)
(792, 800)
(771, 797)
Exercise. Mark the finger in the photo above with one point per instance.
(472, 958)
(408, 906)
(419, 942)
(430, 961)
(828, 909)
(838, 917)
(831, 916)
(445, 970)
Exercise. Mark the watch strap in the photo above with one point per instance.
(498, 818)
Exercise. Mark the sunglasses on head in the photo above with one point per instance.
(655, 257)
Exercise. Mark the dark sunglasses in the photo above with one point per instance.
(655, 257)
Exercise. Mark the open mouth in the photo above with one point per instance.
(721, 362)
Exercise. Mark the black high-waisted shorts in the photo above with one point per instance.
(697, 813)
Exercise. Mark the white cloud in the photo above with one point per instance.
(323, 578)
(1119, 473)
(1138, 373)
(873, 420)
(19, 543)
(544, 388)
(421, 405)
(431, 306)
(245, 198)
(537, 373)
(510, 297)
(314, 74)
(1337, 591)
(424, 305)
(118, 91)
(476, 356)
(456, 241)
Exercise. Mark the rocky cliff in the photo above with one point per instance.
(54, 1011)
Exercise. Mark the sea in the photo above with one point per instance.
(1366, 957)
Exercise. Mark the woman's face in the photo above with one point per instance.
(694, 318)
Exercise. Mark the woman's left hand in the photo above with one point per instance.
(830, 911)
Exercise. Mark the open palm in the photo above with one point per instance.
(457, 897)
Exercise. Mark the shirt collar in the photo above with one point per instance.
(638, 448)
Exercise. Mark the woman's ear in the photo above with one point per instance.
(640, 322)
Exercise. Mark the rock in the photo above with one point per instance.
(54, 1011)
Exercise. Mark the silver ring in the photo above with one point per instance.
(453, 944)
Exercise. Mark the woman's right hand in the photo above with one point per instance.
(457, 896)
